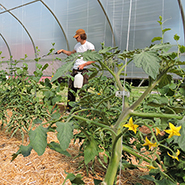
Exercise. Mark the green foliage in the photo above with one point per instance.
(24, 150)
(108, 124)
(56, 147)
(90, 151)
(76, 180)
(65, 134)
(149, 61)
(38, 139)
(19, 96)
(62, 70)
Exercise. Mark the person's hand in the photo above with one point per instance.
(60, 51)
(81, 67)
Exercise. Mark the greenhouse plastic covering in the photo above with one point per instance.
(33, 27)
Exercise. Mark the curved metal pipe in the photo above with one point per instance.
(58, 23)
(6, 45)
(8, 10)
(24, 29)
(183, 17)
(114, 41)
(18, 6)
(8, 50)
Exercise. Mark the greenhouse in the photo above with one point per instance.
(74, 105)
(27, 24)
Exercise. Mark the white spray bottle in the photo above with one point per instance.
(78, 80)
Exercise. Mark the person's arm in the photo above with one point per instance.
(80, 67)
(66, 52)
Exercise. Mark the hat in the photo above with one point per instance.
(79, 32)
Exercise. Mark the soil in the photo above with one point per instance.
(51, 167)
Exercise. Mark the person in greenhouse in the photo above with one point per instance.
(79, 65)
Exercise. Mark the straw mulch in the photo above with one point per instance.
(49, 169)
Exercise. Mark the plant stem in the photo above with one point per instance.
(126, 113)
(131, 151)
(96, 123)
(155, 115)
(114, 163)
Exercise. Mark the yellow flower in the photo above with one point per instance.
(157, 131)
(149, 144)
(98, 93)
(174, 131)
(131, 125)
(175, 156)
(150, 167)
(52, 76)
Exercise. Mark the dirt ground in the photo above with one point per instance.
(50, 168)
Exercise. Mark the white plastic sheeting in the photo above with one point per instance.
(27, 24)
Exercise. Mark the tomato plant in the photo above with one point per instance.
(108, 122)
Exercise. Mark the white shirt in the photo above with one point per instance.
(79, 48)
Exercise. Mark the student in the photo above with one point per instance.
(79, 65)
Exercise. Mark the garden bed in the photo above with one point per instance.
(51, 166)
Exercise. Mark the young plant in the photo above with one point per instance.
(21, 105)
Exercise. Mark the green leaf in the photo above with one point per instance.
(76, 180)
(39, 66)
(97, 182)
(172, 86)
(158, 100)
(165, 47)
(55, 116)
(166, 79)
(24, 150)
(62, 70)
(160, 22)
(182, 48)
(182, 91)
(149, 61)
(70, 176)
(164, 182)
(48, 94)
(180, 63)
(156, 38)
(93, 74)
(91, 56)
(165, 30)
(106, 49)
(65, 134)
(177, 71)
(176, 37)
(45, 66)
(38, 139)
(37, 121)
(56, 99)
(148, 177)
(56, 147)
(90, 151)
(180, 139)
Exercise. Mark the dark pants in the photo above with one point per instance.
(71, 89)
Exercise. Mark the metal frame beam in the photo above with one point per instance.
(183, 16)
(67, 42)
(9, 50)
(109, 22)
(8, 10)
(23, 27)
